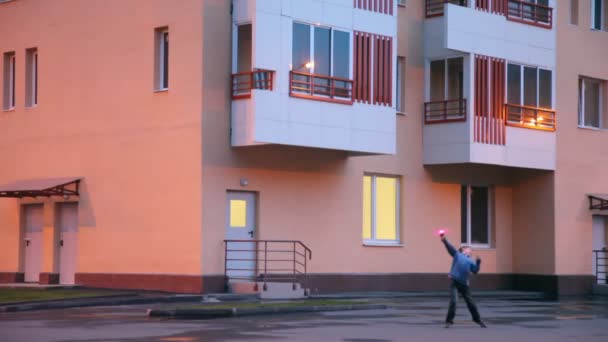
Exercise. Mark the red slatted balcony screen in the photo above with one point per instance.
(489, 125)
(383, 80)
(373, 68)
(378, 6)
(361, 72)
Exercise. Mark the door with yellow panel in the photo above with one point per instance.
(240, 226)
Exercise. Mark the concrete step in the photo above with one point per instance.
(281, 291)
(600, 289)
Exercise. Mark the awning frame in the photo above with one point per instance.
(70, 188)
(597, 202)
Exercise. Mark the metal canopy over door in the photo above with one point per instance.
(33, 222)
(240, 225)
(68, 241)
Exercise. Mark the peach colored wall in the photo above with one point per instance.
(582, 164)
(316, 195)
(533, 222)
(98, 117)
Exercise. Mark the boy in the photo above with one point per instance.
(462, 265)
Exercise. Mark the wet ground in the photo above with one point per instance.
(408, 319)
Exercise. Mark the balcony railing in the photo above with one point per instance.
(445, 111)
(530, 13)
(434, 8)
(530, 117)
(321, 87)
(243, 82)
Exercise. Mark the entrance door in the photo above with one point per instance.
(240, 225)
(33, 216)
(68, 241)
(599, 242)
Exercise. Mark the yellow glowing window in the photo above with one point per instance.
(380, 208)
(238, 213)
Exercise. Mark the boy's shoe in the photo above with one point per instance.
(448, 324)
(481, 324)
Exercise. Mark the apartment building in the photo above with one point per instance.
(187, 147)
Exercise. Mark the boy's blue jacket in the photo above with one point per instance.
(461, 265)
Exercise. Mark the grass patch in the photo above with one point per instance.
(298, 303)
(26, 295)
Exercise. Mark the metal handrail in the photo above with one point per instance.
(530, 13)
(601, 269)
(270, 264)
(244, 82)
(321, 87)
(530, 117)
(445, 111)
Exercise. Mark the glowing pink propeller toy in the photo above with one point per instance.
(441, 232)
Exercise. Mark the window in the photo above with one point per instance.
(573, 12)
(31, 77)
(446, 79)
(530, 97)
(475, 215)
(592, 107)
(380, 209)
(401, 3)
(244, 48)
(321, 68)
(161, 62)
(529, 86)
(321, 50)
(400, 80)
(599, 15)
(9, 81)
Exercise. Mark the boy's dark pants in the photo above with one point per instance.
(465, 292)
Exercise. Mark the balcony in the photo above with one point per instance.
(314, 74)
(479, 112)
(524, 12)
(491, 28)
(514, 136)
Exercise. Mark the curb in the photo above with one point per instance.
(236, 312)
(104, 301)
(445, 294)
(124, 295)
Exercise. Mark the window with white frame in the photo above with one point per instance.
(321, 50)
(593, 111)
(529, 86)
(161, 63)
(400, 81)
(31, 77)
(447, 79)
(381, 209)
(9, 80)
(599, 15)
(475, 215)
(401, 2)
